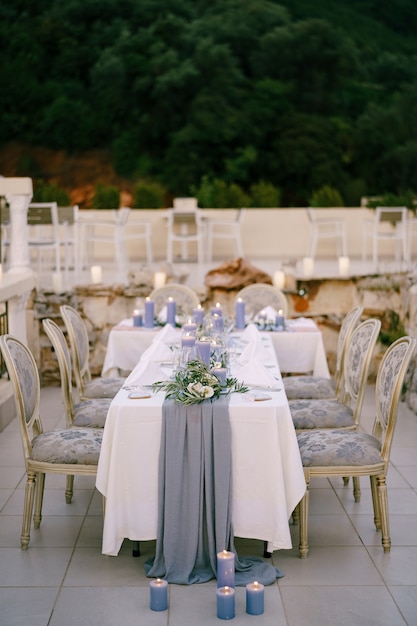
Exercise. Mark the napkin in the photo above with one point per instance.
(255, 374)
(254, 350)
(162, 315)
(303, 325)
(250, 332)
(168, 334)
(267, 313)
(158, 351)
(146, 373)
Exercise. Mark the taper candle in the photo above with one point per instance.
(240, 314)
(149, 313)
(171, 311)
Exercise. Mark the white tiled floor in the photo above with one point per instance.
(64, 580)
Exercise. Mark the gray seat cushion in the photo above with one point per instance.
(308, 387)
(92, 412)
(310, 414)
(79, 446)
(333, 448)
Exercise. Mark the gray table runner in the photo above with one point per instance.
(194, 497)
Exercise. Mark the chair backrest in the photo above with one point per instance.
(79, 345)
(185, 204)
(358, 358)
(349, 323)
(260, 295)
(394, 215)
(59, 343)
(184, 296)
(24, 377)
(122, 215)
(44, 214)
(388, 387)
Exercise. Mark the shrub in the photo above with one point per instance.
(106, 197)
(407, 199)
(50, 192)
(218, 194)
(264, 194)
(149, 195)
(326, 196)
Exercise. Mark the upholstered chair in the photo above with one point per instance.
(329, 452)
(68, 451)
(345, 410)
(86, 413)
(87, 386)
(261, 295)
(309, 387)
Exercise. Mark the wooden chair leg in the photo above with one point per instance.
(69, 489)
(303, 507)
(356, 489)
(383, 508)
(39, 490)
(375, 503)
(27, 510)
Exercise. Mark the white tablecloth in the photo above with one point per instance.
(299, 350)
(267, 474)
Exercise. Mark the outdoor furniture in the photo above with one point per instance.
(261, 295)
(185, 226)
(329, 453)
(223, 229)
(388, 224)
(78, 340)
(330, 228)
(186, 298)
(85, 413)
(308, 387)
(266, 470)
(68, 451)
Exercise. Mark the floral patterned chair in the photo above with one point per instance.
(345, 410)
(261, 295)
(68, 451)
(184, 296)
(86, 413)
(329, 453)
(87, 387)
(318, 387)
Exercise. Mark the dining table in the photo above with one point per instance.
(299, 348)
(267, 478)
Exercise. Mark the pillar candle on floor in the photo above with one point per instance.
(225, 603)
(159, 594)
(225, 569)
(255, 598)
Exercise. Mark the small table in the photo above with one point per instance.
(300, 350)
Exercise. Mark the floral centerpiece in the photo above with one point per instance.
(196, 383)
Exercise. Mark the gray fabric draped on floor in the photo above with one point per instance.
(194, 500)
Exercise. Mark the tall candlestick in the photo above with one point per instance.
(239, 314)
(225, 569)
(280, 321)
(149, 313)
(159, 594)
(255, 598)
(225, 603)
(171, 311)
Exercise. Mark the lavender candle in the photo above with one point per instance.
(159, 594)
(255, 598)
(225, 569)
(149, 313)
(198, 315)
(204, 351)
(225, 603)
(171, 311)
(239, 314)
